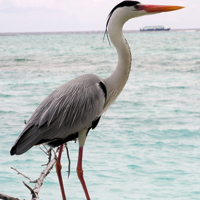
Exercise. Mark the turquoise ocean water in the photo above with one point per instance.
(147, 145)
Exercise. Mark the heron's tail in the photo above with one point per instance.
(27, 139)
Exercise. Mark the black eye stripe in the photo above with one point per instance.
(124, 3)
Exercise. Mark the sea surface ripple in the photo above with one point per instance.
(147, 145)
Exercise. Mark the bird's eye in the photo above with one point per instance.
(137, 7)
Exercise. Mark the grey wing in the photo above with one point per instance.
(67, 110)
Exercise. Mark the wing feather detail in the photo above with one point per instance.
(67, 110)
(73, 106)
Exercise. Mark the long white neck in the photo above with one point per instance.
(117, 80)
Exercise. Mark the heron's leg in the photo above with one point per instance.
(79, 169)
(58, 170)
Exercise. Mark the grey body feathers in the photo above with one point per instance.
(69, 109)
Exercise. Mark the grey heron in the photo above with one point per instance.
(75, 107)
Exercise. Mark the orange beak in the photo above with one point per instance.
(159, 8)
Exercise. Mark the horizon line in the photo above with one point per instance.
(79, 32)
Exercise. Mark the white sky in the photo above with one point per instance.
(87, 15)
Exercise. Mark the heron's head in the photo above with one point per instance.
(130, 9)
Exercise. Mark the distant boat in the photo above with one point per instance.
(155, 28)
